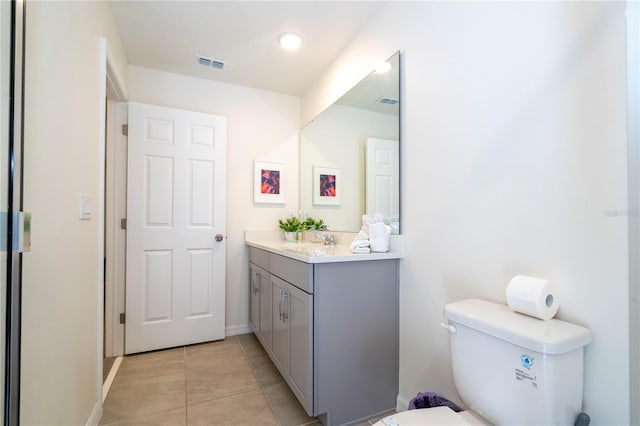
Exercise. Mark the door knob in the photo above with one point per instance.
(219, 237)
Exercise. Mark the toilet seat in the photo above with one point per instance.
(440, 416)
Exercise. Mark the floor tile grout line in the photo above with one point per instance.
(245, 350)
(264, 394)
(268, 402)
(263, 387)
(260, 386)
(130, 417)
(245, 356)
(223, 397)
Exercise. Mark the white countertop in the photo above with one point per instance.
(309, 252)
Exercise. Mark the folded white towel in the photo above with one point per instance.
(376, 218)
(379, 234)
(359, 243)
(361, 236)
(360, 247)
(374, 235)
(361, 250)
(365, 250)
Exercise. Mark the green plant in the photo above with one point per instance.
(291, 224)
(311, 223)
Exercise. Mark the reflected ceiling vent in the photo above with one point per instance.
(387, 101)
(209, 62)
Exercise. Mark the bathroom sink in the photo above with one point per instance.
(305, 249)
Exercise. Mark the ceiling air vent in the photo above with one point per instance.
(209, 62)
(387, 101)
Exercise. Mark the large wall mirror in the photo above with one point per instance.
(349, 154)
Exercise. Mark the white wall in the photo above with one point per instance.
(338, 139)
(513, 161)
(61, 285)
(262, 126)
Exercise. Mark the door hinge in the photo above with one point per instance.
(125, 130)
(21, 232)
(122, 318)
(123, 223)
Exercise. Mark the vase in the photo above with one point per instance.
(291, 237)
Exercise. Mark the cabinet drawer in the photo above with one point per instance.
(293, 271)
(259, 257)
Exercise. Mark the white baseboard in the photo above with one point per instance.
(401, 404)
(112, 375)
(94, 418)
(234, 330)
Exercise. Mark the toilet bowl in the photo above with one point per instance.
(509, 368)
(441, 416)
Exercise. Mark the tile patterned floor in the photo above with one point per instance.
(231, 382)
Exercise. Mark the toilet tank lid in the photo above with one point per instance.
(549, 337)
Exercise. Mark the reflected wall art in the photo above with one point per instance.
(326, 186)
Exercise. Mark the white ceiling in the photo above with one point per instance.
(167, 35)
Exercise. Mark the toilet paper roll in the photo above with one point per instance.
(532, 296)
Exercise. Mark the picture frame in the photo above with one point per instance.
(268, 182)
(327, 186)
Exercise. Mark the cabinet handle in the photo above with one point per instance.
(285, 314)
(255, 277)
(280, 305)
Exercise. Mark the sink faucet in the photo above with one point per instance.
(327, 239)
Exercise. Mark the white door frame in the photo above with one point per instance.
(110, 84)
(115, 237)
(116, 209)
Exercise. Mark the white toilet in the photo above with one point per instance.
(509, 369)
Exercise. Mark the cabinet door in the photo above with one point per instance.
(280, 349)
(265, 326)
(300, 316)
(254, 299)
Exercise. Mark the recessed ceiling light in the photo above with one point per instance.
(290, 41)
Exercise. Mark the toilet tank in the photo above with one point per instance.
(513, 369)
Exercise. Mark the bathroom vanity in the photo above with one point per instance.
(329, 321)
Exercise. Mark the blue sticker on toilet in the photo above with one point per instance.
(527, 361)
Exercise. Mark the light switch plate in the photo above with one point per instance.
(85, 207)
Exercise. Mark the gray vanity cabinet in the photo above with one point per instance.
(260, 298)
(293, 338)
(292, 319)
(254, 298)
(280, 347)
(334, 333)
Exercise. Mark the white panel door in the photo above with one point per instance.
(176, 183)
(382, 178)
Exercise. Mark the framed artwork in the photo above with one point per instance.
(268, 182)
(326, 186)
